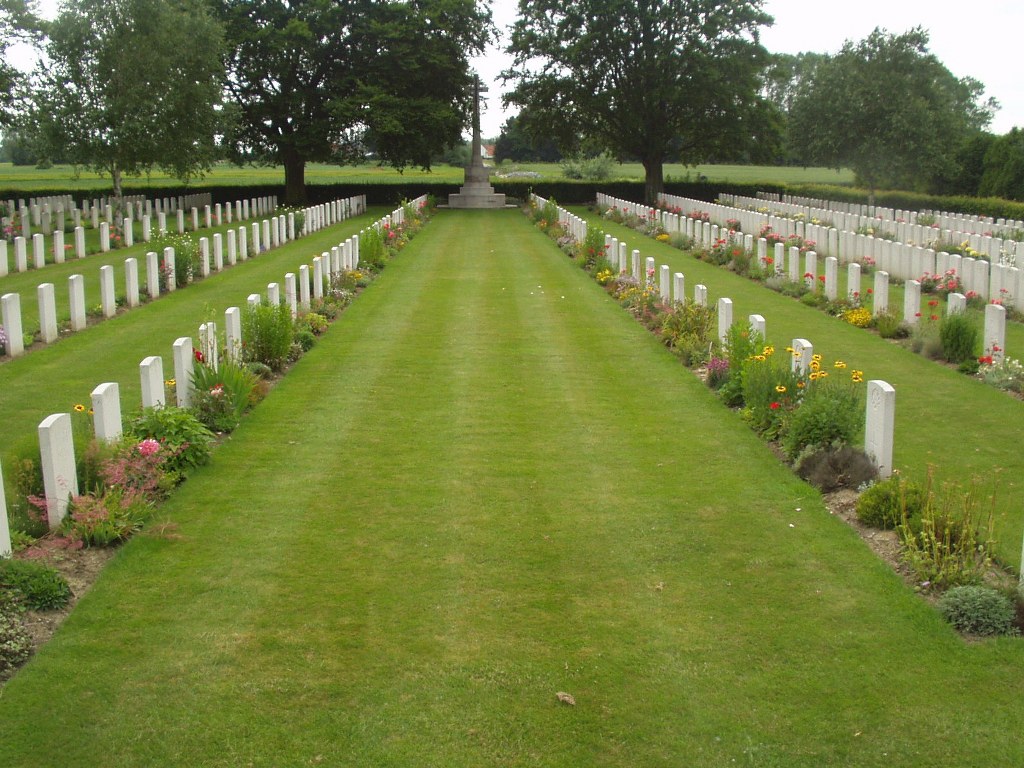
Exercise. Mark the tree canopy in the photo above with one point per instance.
(656, 80)
(516, 145)
(887, 109)
(310, 80)
(130, 85)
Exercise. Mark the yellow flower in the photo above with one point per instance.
(857, 376)
(79, 408)
(814, 376)
(822, 374)
(839, 364)
(768, 351)
(800, 385)
(816, 358)
(780, 388)
(815, 365)
(169, 383)
(790, 349)
(760, 358)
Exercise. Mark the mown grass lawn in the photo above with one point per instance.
(485, 485)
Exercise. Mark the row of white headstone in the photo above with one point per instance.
(966, 223)
(879, 434)
(992, 275)
(56, 444)
(227, 248)
(803, 266)
(211, 217)
(48, 214)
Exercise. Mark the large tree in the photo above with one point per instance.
(887, 109)
(130, 85)
(18, 22)
(319, 80)
(657, 80)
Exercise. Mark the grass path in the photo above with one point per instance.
(486, 485)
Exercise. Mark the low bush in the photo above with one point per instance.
(890, 325)
(978, 610)
(37, 586)
(833, 467)
(220, 396)
(831, 412)
(15, 643)
(887, 504)
(101, 521)
(687, 329)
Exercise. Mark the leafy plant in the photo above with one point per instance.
(222, 395)
(771, 393)
(1006, 374)
(832, 411)
(978, 610)
(268, 332)
(107, 519)
(741, 344)
(687, 328)
(185, 438)
(886, 504)
(890, 325)
(39, 586)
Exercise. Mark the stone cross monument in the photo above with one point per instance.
(477, 192)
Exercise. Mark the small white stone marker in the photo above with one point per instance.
(76, 302)
(47, 312)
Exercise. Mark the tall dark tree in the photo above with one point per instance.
(887, 109)
(18, 22)
(311, 78)
(514, 144)
(130, 85)
(1003, 174)
(657, 80)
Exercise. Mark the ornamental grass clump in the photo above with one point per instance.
(960, 338)
(954, 543)
(687, 329)
(268, 332)
(221, 395)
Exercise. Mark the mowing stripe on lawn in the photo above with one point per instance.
(485, 485)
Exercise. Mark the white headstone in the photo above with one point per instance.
(108, 299)
(881, 291)
(879, 426)
(10, 317)
(5, 526)
(911, 302)
(131, 281)
(184, 362)
(39, 250)
(47, 312)
(171, 268)
(57, 454)
(106, 412)
(803, 350)
(76, 300)
(233, 333)
(151, 372)
(700, 295)
(995, 331)
(956, 303)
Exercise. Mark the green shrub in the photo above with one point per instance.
(372, 249)
(890, 326)
(771, 392)
(978, 610)
(831, 412)
(178, 430)
(960, 338)
(687, 328)
(741, 344)
(592, 249)
(886, 504)
(925, 339)
(38, 586)
(268, 333)
(15, 643)
(305, 339)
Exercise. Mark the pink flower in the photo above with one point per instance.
(148, 447)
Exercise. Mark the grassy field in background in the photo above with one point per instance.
(28, 178)
(487, 484)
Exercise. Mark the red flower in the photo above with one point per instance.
(933, 303)
(821, 278)
(933, 318)
(870, 291)
(775, 406)
(199, 356)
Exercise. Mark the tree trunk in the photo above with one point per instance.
(294, 178)
(115, 180)
(654, 179)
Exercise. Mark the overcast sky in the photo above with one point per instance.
(981, 39)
